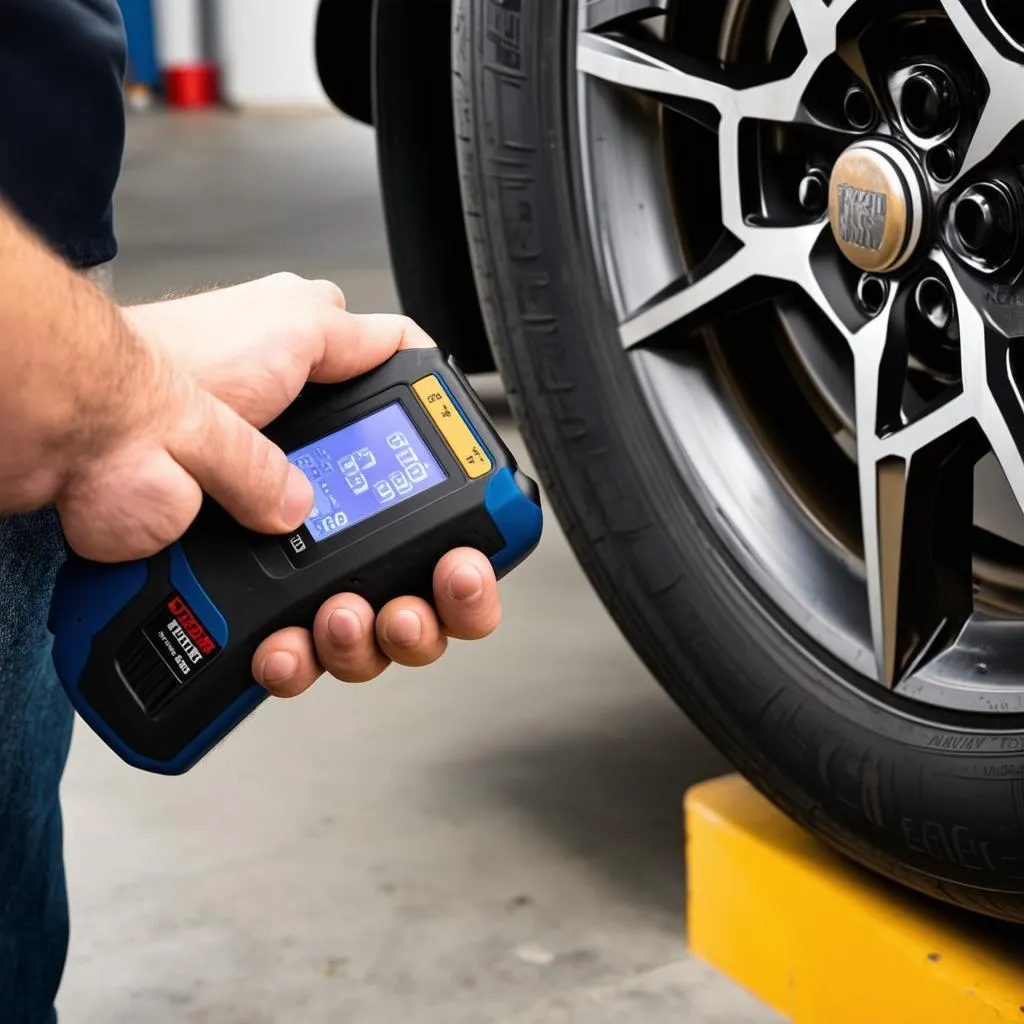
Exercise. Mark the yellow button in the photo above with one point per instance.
(453, 427)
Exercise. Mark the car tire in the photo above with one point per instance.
(932, 799)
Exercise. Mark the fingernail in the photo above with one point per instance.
(279, 667)
(403, 628)
(298, 498)
(345, 627)
(465, 583)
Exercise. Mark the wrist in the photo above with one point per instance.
(157, 329)
(92, 387)
(77, 374)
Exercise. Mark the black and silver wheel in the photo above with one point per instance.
(754, 272)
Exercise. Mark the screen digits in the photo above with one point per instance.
(372, 464)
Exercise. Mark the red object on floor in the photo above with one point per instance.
(192, 87)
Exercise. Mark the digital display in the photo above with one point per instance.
(364, 468)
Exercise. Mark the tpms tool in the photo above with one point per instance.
(405, 464)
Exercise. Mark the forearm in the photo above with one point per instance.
(70, 362)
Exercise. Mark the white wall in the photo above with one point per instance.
(266, 53)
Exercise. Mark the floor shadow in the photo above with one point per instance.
(610, 796)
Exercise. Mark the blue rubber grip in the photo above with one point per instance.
(518, 518)
(87, 597)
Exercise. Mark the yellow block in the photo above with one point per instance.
(453, 427)
(824, 942)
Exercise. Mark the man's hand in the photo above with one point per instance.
(110, 429)
(138, 482)
(253, 347)
(350, 645)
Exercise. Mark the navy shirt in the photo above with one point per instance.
(62, 121)
(61, 140)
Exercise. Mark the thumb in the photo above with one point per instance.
(240, 469)
(355, 343)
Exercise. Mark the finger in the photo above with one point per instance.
(285, 664)
(346, 641)
(357, 342)
(408, 632)
(239, 468)
(128, 508)
(331, 292)
(466, 594)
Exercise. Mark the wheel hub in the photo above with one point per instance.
(877, 205)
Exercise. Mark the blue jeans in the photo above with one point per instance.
(35, 731)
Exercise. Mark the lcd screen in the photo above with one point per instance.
(364, 468)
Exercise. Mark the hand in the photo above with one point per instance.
(137, 475)
(254, 346)
(109, 429)
(351, 646)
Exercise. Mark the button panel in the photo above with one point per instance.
(448, 419)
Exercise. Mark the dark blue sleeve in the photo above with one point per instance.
(62, 120)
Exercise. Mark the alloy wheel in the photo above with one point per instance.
(810, 217)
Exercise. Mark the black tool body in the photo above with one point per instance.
(406, 465)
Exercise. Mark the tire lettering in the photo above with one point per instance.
(959, 846)
(518, 206)
(953, 742)
(504, 31)
(859, 785)
(971, 853)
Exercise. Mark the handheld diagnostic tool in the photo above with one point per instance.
(405, 465)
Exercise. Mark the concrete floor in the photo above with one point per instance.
(496, 838)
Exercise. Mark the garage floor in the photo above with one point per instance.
(493, 839)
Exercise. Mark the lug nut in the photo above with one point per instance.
(872, 293)
(975, 222)
(814, 191)
(928, 102)
(941, 163)
(859, 108)
(984, 224)
(934, 301)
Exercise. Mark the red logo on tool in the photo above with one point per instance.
(191, 625)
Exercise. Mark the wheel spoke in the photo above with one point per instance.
(818, 23)
(767, 254)
(652, 67)
(916, 488)
(1002, 113)
(691, 300)
(1001, 412)
(599, 13)
(919, 514)
(657, 69)
(878, 527)
(991, 384)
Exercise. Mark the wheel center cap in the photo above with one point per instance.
(876, 205)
